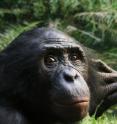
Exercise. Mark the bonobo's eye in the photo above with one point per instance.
(50, 60)
(74, 57)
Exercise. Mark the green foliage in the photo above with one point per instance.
(110, 57)
(105, 119)
(12, 32)
(95, 21)
(92, 22)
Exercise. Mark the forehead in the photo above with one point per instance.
(55, 34)
(57, 39)
(59, 44)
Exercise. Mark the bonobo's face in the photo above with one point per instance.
(65, 64)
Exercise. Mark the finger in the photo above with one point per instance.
(108, 102)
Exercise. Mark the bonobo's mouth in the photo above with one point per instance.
(74, 103)
(73, 110)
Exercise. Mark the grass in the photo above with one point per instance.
(105, 119)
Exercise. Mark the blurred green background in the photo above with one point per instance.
(92, 22)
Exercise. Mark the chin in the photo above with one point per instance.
(73, 112)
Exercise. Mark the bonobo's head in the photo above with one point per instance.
(49, 69)
(64, 65)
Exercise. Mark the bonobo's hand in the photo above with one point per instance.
(108, 89)
(110, 99)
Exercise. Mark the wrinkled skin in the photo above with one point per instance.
(108, 89)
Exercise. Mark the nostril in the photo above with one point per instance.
(76, 76)
(70, 75)
(68, 78)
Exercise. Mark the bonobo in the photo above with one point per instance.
(47, 77)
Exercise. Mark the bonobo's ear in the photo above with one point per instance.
(109, 76)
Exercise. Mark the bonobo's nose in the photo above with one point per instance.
(70, 75)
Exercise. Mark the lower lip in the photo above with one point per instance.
(75, 111)
(73, 104)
